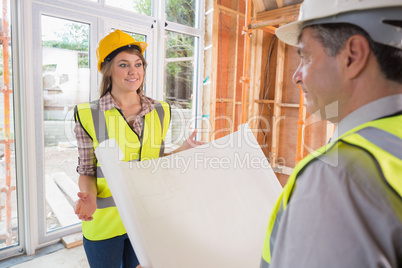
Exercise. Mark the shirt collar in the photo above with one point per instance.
(106, 102)
(374, 110)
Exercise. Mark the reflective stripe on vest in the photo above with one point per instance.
(386, 149)
(382, 139)
(102, 125)
(99, 122)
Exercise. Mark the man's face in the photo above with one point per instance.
(318, 74)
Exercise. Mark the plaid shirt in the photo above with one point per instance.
(87, 160)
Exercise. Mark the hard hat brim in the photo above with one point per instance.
(139, 44)
(142, 45)
(290, 32)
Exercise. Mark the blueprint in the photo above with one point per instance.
(204, 207)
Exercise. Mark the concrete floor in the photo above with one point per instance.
(63, 258)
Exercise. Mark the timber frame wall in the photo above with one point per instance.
(242, 85)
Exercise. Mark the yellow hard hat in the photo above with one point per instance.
(115, 42)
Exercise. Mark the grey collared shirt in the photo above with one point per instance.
(342, 214)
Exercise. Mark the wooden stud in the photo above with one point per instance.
(232, 69)
(280, 66)
(255, 80)
(246, 57)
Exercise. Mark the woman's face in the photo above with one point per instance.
(127, 72)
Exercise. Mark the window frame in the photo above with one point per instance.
(38, 10)
(18, 133)
(29, 114)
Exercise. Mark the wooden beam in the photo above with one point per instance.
(245, 77)
(232, 68)
(69, 187)
(259, 5)
(280, 12)
(71, 241)
(290, 105)
(59, 204)
(255, 79)
(264, 101)
(278, 21)
(269, 29)
(228, 11)
(226, 100)
(280, 3)
(280, 67)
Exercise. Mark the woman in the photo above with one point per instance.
(139, 125)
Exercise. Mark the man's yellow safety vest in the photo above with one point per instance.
(111, 124)
(381, 138)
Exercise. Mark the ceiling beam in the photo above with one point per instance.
(259, 5)
(278, 21)
(280, 3)
(289, 11)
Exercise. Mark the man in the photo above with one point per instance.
(342, 206)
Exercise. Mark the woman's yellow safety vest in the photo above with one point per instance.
(382, 139)
(111, 124)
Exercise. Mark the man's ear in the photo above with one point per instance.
(356, 54)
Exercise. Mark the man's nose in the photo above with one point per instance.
(296, 78)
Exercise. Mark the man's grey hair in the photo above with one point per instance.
(334, 36)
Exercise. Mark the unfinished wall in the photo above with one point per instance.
(273, 110)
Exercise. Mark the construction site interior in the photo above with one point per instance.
(233, 70)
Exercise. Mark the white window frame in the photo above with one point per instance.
(18, 132)
(29, 103)
(38, 10)
(164, 25)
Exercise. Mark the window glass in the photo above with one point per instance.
(141, 7)
(179, 83)
(8, 197)
(66, 82)
(181, 11)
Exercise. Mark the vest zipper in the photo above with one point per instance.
(128, 123)
(142, 135)
(142, 131)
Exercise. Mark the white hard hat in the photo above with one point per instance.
(381, 19)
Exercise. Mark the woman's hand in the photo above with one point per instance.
(189, 143)
(86, 206)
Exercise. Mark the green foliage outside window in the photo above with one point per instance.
(181, 11)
